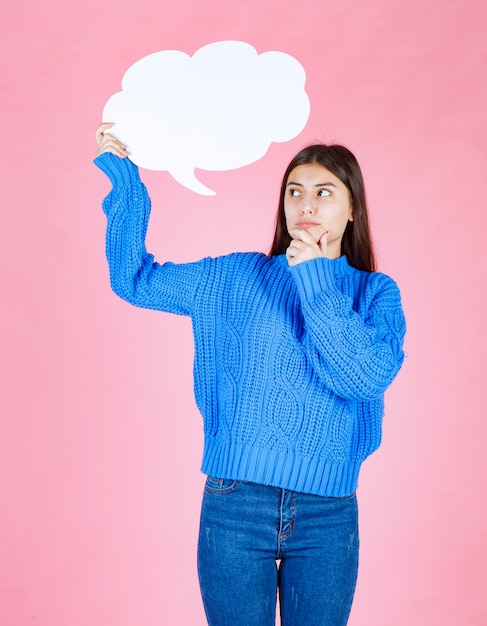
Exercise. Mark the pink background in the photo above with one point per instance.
(100, 441)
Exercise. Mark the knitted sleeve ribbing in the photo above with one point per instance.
(356, 354)
(134, 275)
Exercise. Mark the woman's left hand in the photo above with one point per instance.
(304, 248)
(108, 142)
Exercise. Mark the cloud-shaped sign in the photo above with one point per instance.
(218, 110)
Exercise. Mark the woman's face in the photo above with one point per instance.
(317, 201)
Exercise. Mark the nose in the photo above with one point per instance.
(307, 207)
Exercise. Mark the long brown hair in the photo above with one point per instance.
(357, 242)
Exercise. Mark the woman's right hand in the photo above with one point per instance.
(108, 142)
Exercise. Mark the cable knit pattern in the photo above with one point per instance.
(291, 363)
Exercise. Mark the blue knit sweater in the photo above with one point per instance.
(291, 363)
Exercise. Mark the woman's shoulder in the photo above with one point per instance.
(378, 287)
(382, 280)
(242, 259)
(243, 265)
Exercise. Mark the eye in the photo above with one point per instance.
(324, 192)
(293, 192)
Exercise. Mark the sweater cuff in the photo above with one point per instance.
(316, 276)
(121, 172)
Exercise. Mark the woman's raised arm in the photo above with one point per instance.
(134, 274)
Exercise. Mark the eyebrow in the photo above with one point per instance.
(291, 182)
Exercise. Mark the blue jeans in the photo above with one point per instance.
(256, 540)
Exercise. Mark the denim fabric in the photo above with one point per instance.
(257, 540)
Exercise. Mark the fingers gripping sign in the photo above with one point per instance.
(108, 142)
(303, 247)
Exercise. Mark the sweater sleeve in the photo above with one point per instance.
(356, 355)
(134, 275)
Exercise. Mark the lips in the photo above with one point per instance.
(304, 224)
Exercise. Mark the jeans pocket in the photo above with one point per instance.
(220, 486)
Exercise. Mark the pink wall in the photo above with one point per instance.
(100, 441)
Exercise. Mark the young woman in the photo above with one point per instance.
(293, 353)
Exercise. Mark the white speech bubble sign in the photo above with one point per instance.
(218, 110)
